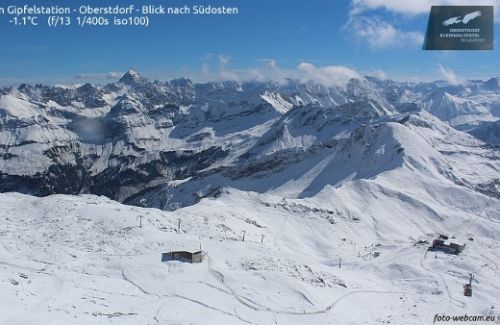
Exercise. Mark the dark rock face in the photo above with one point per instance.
(488, 132)
(119, 182)
(115, 140)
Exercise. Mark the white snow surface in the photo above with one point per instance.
(84, 260)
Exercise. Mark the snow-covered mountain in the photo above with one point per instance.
(455, 110)
(127, 138)
(336, 190)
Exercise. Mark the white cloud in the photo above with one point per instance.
(224, 73)
(449, 75)
(223, 61)
(328, 76)
(380, 34)
(218, 68)
(113, 75)
(379, 74)
(415, 7)
(99, 76)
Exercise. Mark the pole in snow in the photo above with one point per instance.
(140, 221)
(179, 225)
(243, 234)
(340, 262)
(262, 238)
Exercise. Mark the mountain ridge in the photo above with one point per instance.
(137, 136)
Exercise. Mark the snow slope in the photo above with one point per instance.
(84, 260)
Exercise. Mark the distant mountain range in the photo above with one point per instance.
(170, 144)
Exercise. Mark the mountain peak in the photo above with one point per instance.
(493, 83)
(132, 77)
(133, 72)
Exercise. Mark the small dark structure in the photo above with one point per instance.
(467, 290)
(183, 256)
(440, 245)
(468, 287)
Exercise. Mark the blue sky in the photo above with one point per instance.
(268, 38)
